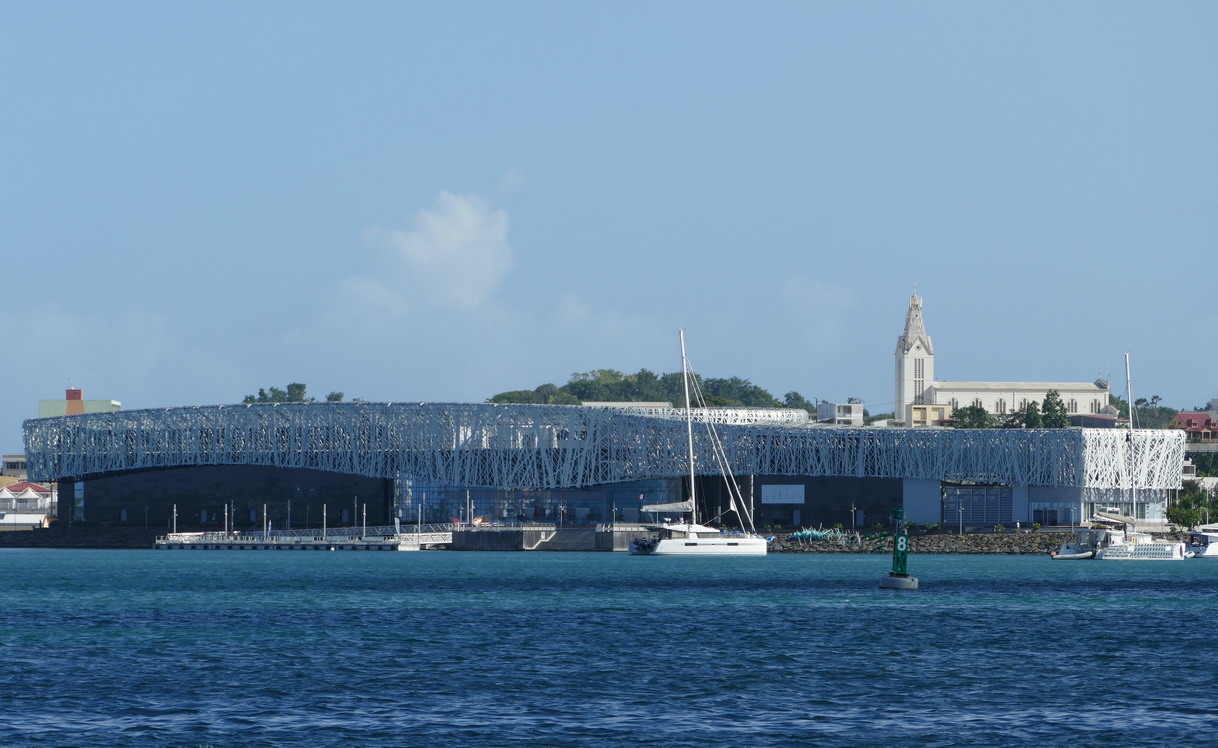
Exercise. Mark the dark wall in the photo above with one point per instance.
(827, 501)
(204, 491)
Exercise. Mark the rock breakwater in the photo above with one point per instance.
(1012, 543)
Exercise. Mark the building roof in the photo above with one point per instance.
(1198, 420)
(915, 329)
(1018, 386)
(26, 485)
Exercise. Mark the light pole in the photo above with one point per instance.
(960, 516)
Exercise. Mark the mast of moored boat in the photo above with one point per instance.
(1133, 491)
(689, 433)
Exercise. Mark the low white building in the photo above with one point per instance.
(26, 505)
(840, 414)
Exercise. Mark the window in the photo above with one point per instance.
(1073, 406)
(1002, 406)
(976, 402)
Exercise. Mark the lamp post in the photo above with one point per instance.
(960, 516)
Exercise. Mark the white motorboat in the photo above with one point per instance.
(690, 538)
(1203, 544)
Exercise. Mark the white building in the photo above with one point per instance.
(923, 401)
(840, 414)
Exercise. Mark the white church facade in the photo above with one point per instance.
(921, 400)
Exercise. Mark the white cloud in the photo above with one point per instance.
(454, 255)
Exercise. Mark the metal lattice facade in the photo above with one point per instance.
(541, 446)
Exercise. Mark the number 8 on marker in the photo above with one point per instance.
(902, 543)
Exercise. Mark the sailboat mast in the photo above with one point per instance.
(1133, 491)
(689, 433)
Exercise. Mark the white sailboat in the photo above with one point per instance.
(690, 538)
(1127, 544)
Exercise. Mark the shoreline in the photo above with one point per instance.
(1008, 543)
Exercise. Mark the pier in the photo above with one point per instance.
(337, 539)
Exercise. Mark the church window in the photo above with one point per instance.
(1073, 407)
(976, 402)
(1002, 406)
(954, 403)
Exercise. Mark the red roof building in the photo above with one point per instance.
(1199, 425)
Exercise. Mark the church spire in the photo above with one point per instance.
(915, 330)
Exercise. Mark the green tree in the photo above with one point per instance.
(295, 393)
(973, 417)
(795, 400)
(1053, 411)
(334, 397)
(1183, 516)
(1031, 416)
(598, 385)
(515, 397)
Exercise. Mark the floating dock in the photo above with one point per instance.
(338, 539)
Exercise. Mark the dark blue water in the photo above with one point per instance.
(135, 648)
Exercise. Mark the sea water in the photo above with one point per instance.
(232, 648)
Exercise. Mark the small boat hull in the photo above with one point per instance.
(1076, 556)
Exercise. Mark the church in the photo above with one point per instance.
(922, 401)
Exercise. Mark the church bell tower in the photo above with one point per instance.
(915, 362)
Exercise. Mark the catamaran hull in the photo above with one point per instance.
(1145, 552)
(702, 547)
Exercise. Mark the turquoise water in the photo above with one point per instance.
(135, 648)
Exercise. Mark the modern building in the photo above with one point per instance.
(840, 414)
(13, 466)
(917, 389)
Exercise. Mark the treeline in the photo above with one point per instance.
(609, 385)
(1052, 414)
(295, 393)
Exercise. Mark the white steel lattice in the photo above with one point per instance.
(555, 446)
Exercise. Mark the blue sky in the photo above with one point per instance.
(442, 201)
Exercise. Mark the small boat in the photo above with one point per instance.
(690, 538)
(1081, 548)
(1203, 544)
